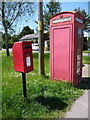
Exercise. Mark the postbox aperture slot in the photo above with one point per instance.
(27, 47)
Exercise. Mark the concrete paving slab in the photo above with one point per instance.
(86, 71)
(80, 107)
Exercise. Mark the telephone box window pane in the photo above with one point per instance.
(78, 70)
(79, 49)
(78, 64)
(79, 31)
(79, 37)
(78, 57)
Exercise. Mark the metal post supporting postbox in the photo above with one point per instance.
(24, 85)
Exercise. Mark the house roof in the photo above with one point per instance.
(29, 37)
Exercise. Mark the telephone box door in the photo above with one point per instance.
(61, 52)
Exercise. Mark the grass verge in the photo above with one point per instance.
(86, 51)
(86, 60)
(46, 98)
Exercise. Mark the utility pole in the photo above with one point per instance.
(41, 37)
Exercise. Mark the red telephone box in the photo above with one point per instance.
(22, 56)
(66, 44)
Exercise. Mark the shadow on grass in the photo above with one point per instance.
(53, 103)
(85, 83)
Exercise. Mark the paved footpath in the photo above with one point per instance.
(79, 109)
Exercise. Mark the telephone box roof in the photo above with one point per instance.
(72, 12)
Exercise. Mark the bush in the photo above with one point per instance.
(85, 44)
(10, 45)
(89, 42)
(3, 45)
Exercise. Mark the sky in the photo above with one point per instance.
(65, 6)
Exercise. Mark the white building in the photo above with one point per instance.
(85, 34)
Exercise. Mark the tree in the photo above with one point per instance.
(50, 9)
(86, 19)
(11, 12)
(3, 40)
(15, 38)
(25, 31)
(11, 40)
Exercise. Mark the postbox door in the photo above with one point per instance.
(61, 49)
(27, 59)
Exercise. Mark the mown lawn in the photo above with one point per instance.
(86, 60)
(86, 51)
(46, 98)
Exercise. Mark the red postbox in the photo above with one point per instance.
(22, 56)
(66, 44)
